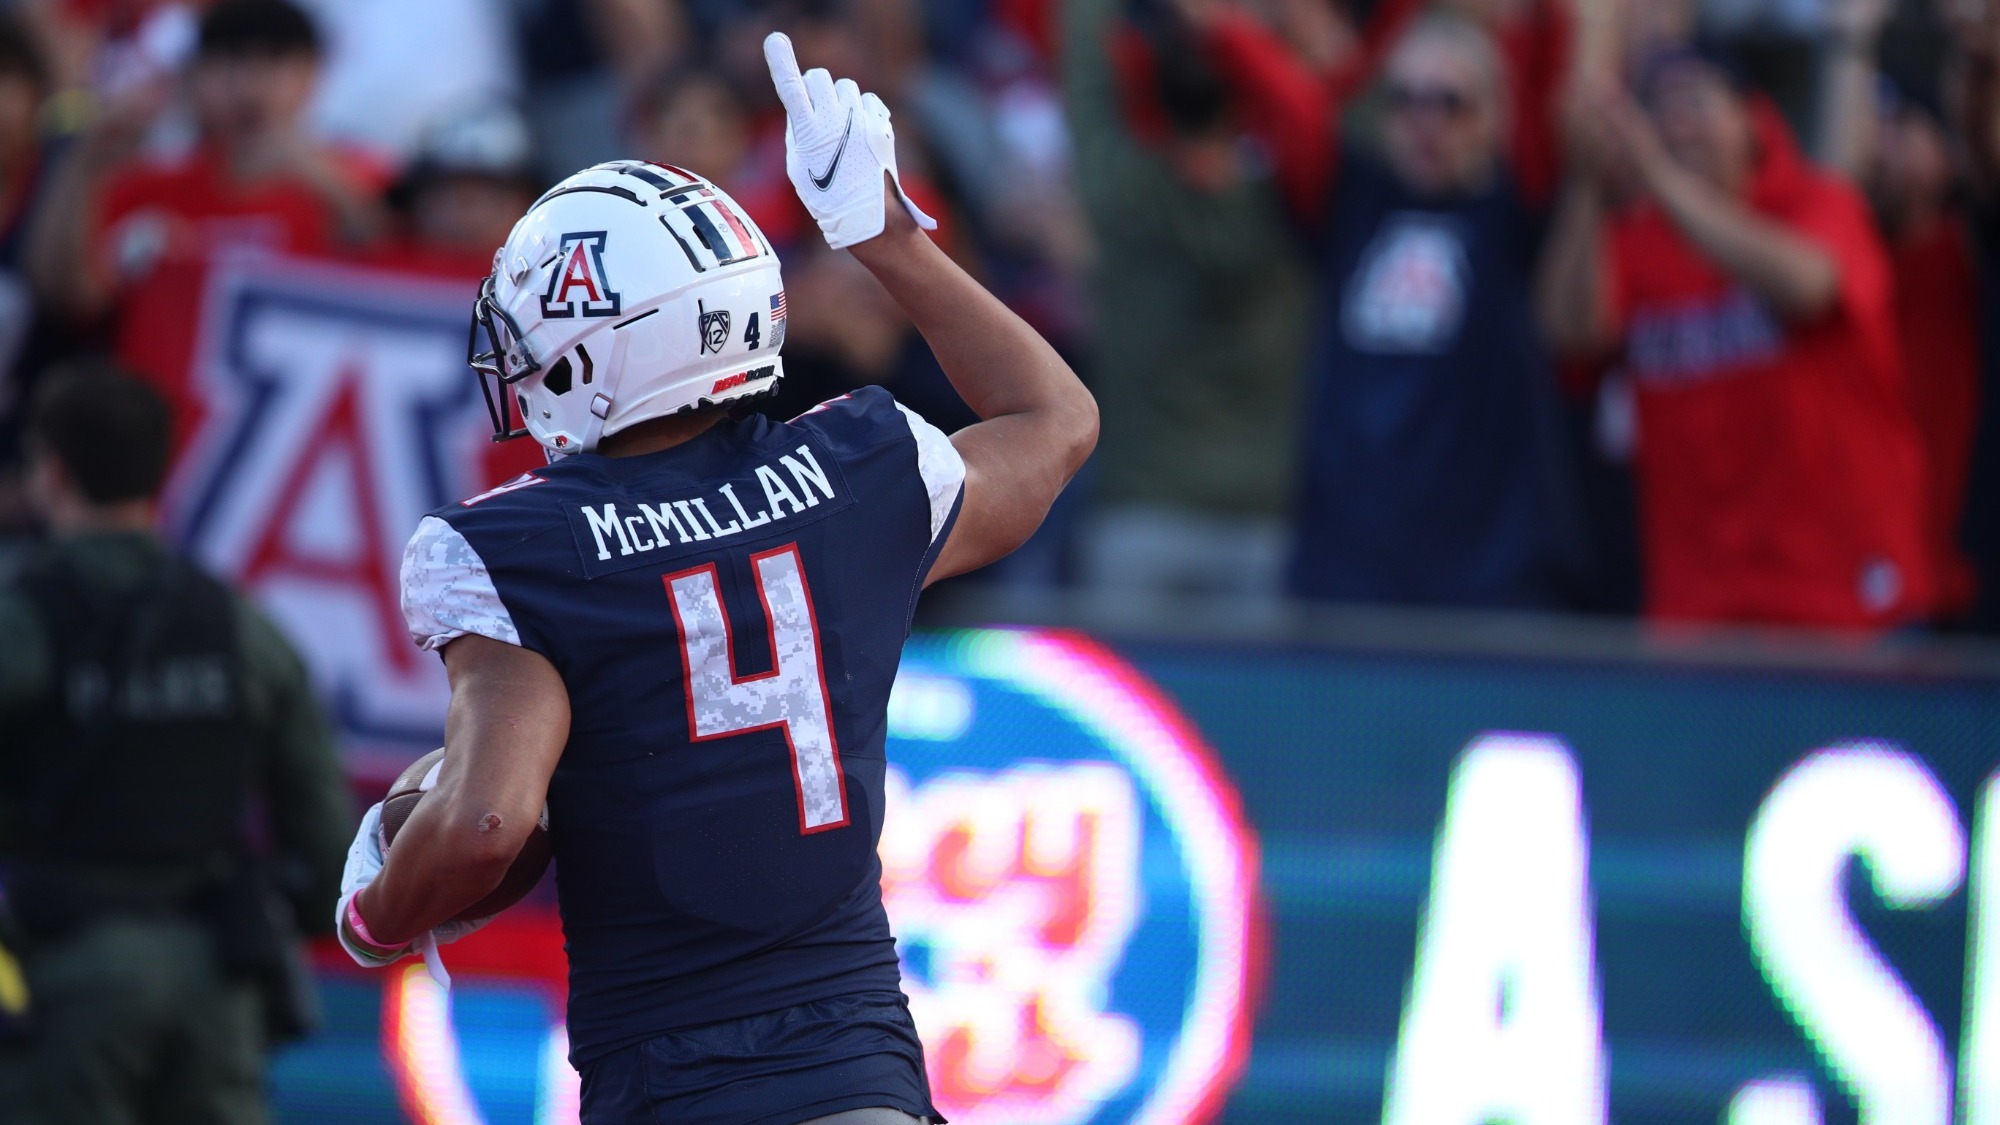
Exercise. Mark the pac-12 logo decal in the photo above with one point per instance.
(578, 287)
(714, 328)
(1068, 877)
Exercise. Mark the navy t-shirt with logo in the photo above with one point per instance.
(1436, 455)
(727, 616)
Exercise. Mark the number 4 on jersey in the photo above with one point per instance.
(791, 696)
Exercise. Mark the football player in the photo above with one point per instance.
(682, 634)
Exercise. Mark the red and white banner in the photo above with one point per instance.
(322, 408)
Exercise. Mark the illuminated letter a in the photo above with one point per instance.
(1502, 1021)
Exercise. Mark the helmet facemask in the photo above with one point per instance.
(507, 361)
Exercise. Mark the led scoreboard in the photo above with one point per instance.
(1647, 887)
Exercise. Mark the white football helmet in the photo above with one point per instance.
(629, 291)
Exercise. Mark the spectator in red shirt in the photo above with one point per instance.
(1781, 477)
(254, 179)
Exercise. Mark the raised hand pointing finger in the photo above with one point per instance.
(785, 76)
(838, 146)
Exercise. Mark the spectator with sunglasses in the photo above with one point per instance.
(1437, 466)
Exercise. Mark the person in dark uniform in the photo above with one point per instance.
(679, 638)
(147, 709)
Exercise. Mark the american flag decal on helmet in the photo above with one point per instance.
(777, 336)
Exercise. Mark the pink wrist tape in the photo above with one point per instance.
(360, 929)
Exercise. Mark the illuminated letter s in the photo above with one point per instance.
(1502, 1019)
(1882, 806)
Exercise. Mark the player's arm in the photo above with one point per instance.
(504, 732)
(1039, 423)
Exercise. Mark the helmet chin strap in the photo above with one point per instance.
(593, 432)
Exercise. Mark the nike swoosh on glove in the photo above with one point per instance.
(838, 145)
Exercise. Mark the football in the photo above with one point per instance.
(521, 878)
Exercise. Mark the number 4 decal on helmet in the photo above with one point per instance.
(716, 235)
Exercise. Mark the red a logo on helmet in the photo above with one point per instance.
(578, 286)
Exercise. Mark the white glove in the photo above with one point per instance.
(839, 180)
(365, 857)
(364, 862)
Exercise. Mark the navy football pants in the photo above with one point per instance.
(848, 1060)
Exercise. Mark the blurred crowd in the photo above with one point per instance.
(1613, 305)
(1625, 306)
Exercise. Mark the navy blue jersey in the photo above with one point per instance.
(727, 616)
